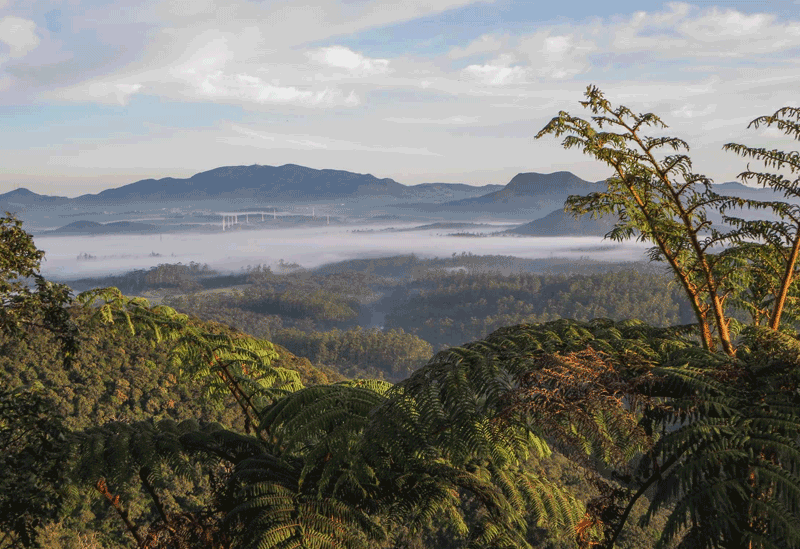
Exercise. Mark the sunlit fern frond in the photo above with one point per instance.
(119, 451)
(271, 511)
(579, 401)
(236, 365)
(323, 426)
(731, 464)
(136, 314)
(549, 504)
(224, 363)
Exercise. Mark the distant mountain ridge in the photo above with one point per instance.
(446, 192)
(287, 182)
(23, 196)
(92, 227)
(528, 192)
(525, 193)
(560, 223)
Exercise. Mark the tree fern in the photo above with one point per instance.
(656, 199)
(224, 364)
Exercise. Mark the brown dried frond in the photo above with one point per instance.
(603, 513)
(198, 530)
(581, 400)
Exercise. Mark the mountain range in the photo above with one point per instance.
(24, 197)
(528, 192)
(293, 183)
(287, 183)
(531, 195)
(92, 227)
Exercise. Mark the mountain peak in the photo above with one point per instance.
(289, 182)
(25, 196)
(19, 193)
(535, 183)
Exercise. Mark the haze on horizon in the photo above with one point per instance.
(309, 247)
(97, 94)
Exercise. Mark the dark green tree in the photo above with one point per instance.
(27, 299)
(31, 431)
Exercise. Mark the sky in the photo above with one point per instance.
(97, 94)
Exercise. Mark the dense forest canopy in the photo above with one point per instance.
(398, 310)
(124, 423)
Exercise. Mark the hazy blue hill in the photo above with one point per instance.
(733, 188)
(526, 192)
(463, 187)
(560, 223)
(543, 184)
(289, 182)
(527, 195)
(23, 196)
(81, 225)
(447, 192)
(92, 227)
(446, 226)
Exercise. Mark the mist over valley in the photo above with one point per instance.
(235, 216)
(290, 253)
(69, 257)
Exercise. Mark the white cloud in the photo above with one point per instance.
(684, 32)
(19, 35)
(209, 56)
(717, 24)
(307, 143)
(496, 75)
(343, 58)
(288, 23)
(292, 141)
(498, 72)
(276, 139)
(694, 111)
(101, 92)
(483, 44)
(219, 67)
(251, 133)
(558, 56)
(439, 121)
(546, 54)
(249, 88)
(679, 32)
(222, 65)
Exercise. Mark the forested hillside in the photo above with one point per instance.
(384, 317)
(125, 423)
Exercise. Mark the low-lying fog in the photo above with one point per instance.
(71, 257)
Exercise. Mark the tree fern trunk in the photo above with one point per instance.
(786, 282)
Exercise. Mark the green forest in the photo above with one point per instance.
(329, 314)
(415, 403)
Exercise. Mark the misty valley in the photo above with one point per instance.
(276, 357)
(384, 317)
(364, 283)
